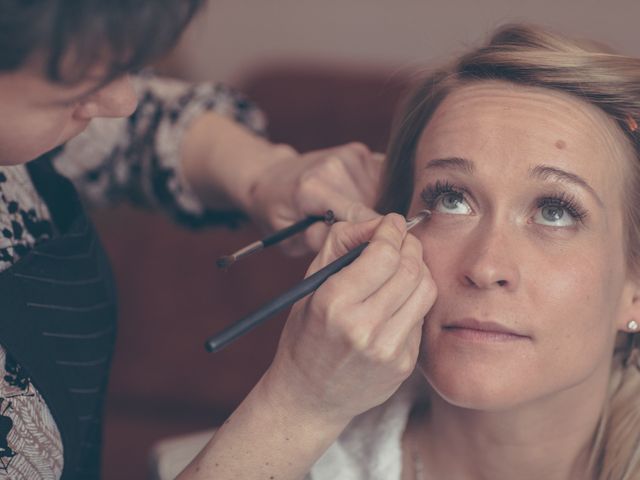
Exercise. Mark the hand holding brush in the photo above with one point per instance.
(294, 294)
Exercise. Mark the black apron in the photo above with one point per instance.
(57, 320)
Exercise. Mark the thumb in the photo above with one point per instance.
(343, 236)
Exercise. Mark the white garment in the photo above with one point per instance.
(370, 448)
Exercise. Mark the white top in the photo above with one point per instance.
(370, 448)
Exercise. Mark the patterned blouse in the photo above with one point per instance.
(134, 159)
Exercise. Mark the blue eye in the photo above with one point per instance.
(452, 203)
(445, 198)
(559, 211)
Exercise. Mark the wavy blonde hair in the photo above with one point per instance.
(532, 56)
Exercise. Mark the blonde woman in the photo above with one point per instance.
(518, 301)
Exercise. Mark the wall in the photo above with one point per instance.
(231, 36)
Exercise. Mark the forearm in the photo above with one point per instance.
(265, 438)
(222, 160)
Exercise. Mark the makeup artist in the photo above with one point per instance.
(73, 119)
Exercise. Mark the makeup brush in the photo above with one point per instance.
(305, 287)
(274, 238)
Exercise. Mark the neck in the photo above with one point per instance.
(550, 438)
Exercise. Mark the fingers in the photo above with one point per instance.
(343, 179)
(361, 330)
(404, 322)
(385, 293)
(402, 284)
(349, 209)
(316, 235)
(377, 263)
(343, 236)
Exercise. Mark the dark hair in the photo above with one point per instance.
(128, 34)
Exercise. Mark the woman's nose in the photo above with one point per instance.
(116, 99)
(490, 261)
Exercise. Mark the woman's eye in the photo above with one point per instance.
(555, 216)
(452, 203)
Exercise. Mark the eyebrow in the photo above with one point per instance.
(455, 163)
(542, 172)
(545, 172)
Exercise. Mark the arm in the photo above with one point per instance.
(265, 438)
(230, 167)
(344, 350)
(196, 152)
(138, 159)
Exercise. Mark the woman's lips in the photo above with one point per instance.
(472, 329)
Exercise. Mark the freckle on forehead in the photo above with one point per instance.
(561, 144)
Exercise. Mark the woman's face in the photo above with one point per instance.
(525, 245)
(37, 115)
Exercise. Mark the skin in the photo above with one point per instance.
(526, 406)
(39, 115)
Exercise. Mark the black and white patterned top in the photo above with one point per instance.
(134, 159)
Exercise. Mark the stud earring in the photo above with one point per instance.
(633, 325)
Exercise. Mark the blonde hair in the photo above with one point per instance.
(531, 56)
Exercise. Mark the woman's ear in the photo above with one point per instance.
(629, 318)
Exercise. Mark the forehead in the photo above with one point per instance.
(508, 127)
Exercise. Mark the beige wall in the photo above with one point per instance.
(231, 36)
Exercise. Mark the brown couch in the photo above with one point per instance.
(172, 296)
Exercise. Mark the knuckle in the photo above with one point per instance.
(358, 336)
(330, 168)
(333, 162)
(308, 184)
(382, 352)
(331, 311)
(406, 366)
(410, 268)
(414, 245)
(358, 147)
(430, 285)
(429, 293)
(387, 257)
(317, 306)
(332, 294)
(357, 211)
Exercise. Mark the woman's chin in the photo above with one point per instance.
(475, 390)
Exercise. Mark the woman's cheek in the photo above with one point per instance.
(25, 141)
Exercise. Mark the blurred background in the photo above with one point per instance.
(325, 73)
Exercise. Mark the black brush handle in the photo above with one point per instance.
(220, 340)
(290, 230)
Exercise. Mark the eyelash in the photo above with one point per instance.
(563, 200)
(432, 193)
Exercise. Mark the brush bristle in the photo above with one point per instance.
(224, 262)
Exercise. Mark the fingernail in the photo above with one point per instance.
(399, 222)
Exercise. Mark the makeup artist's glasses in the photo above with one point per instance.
(305, 287)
